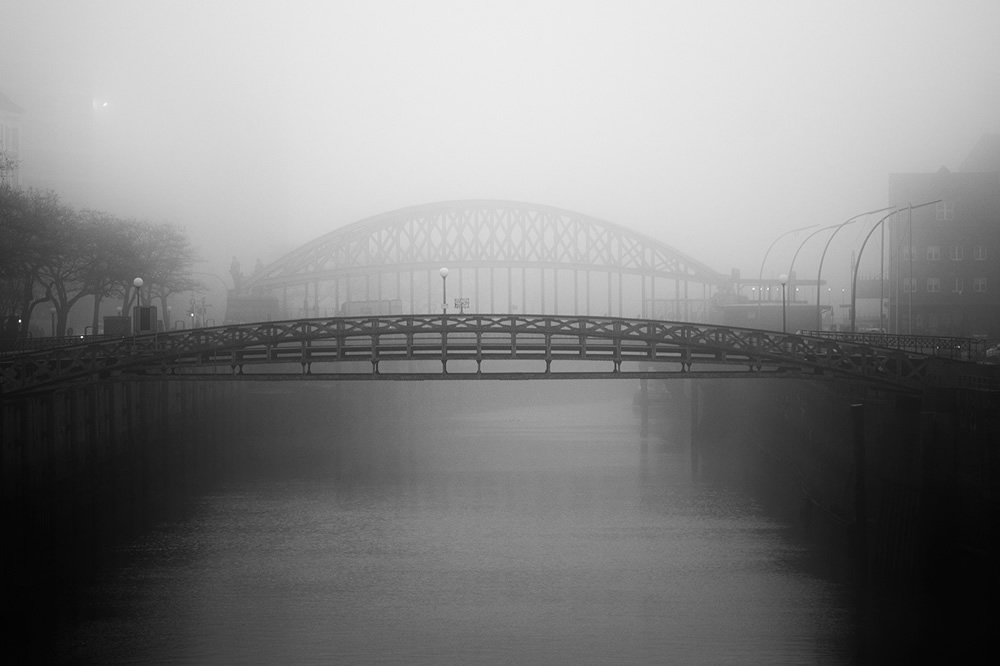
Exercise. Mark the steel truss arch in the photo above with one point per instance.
(478, 235)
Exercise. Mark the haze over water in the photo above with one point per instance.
(537, 530)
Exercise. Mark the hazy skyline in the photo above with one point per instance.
(713, 127)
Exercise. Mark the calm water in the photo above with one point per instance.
(547, 534)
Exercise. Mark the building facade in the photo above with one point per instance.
(944, 258)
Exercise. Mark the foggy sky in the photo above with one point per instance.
(712, 126)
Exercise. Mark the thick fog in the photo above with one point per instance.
(712, 126)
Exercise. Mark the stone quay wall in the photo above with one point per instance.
(87, 466)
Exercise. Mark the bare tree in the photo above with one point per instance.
(50, 252)
(32, 224)
(163, 259)
(8, 165)
(110, 254)
(76, 266)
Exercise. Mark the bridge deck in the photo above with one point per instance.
(495, 347)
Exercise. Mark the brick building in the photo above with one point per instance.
(944, 259)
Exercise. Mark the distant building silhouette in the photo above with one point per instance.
(10, 141)
(944, 270)
(54, 131)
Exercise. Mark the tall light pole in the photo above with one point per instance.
(444, 290)
(52, 314)
(783, 279)
(854, 278)
(760, 276)
(791, 267)
(819, 273)
(137, 283)
(226, 290)
(836, 228)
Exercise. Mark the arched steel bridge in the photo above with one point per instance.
(465, 347)
(504, 256)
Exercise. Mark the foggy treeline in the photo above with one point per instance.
(52, 253)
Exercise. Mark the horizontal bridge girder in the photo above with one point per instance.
(323, 346)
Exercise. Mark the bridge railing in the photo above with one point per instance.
(322, 346)
(26, 345)
(960, 349)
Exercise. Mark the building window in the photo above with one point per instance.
(945, 211)
(979, 285)
(933, 285)
(910, 251)
(933, 253)
(909, 284)
(955, 253)
(959, 286)
(979, 253)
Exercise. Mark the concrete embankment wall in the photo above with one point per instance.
(918, 535)
(930, 464)
(87, 466)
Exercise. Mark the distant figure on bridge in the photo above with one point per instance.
(234, 270)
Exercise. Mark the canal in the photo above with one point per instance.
(484, 522)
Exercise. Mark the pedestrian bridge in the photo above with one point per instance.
(463, 347)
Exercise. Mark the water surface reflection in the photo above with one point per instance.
(539, 534)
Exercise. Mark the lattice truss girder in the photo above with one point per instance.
(481, 233)
(656, 345)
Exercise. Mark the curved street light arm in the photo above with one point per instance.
(217, 277)
(819, 274)
(760, 276)
(791, 268)
(857, 263)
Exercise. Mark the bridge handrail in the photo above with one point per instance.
(477, 337)
(962, 349)
(10, 346)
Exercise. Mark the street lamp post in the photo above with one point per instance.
(52, 314)
(783, 279)
(836, 228)
(854, 278)
(819, 273)
(791, 267)
(444, 290)
(137, 313)
(760, 276)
